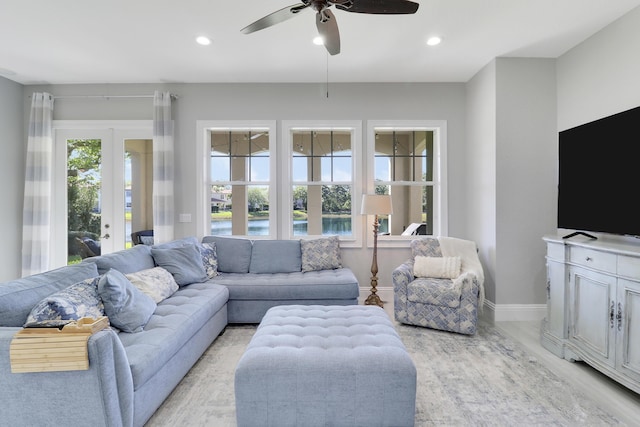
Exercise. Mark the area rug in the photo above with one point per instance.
(480, 380)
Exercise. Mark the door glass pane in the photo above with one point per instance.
(138, 186)
(84, 158)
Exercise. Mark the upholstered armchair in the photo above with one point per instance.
(440, 286)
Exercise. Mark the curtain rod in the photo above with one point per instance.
(173, 96)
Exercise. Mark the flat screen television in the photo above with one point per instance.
(599, 175)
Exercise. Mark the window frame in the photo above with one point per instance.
(203, 171)
(440, 208)
(286, 189)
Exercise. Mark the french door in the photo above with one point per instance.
(93, 182)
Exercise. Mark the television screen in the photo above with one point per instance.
(599, 175)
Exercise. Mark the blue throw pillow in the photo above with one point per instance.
(275, 256)
(127, 308)
(234, 254)
(184, 262)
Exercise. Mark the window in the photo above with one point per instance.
(239, 198)
(322, 161)
(407, 161)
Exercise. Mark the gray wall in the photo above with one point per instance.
(13, 143)
(411, 101)
(481, 170)
(601, 76)
(511, 123)
(526, 149)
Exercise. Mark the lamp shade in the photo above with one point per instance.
(376, 204)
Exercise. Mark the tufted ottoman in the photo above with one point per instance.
(325, 366)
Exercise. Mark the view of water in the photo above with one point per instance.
(260, 227)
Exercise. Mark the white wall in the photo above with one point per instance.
(12, 141)
(420, 101)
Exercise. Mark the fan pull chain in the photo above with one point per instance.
(327, 53)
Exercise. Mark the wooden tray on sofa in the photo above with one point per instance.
(53, 349)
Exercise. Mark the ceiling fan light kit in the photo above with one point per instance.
(325, 20)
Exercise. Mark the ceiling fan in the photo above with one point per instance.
(326, 21)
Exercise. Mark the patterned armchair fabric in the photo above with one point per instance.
(445, 304)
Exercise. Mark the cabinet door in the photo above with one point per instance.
(592, 328)
(556, 291)
(628, 328)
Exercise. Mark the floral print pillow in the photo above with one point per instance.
(321, 254)
(72, 303)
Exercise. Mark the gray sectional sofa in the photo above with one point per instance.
(131, 373)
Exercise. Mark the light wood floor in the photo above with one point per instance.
(619, 401)
(611, 396)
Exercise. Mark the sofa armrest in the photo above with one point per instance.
(470, 291)
(99, 396)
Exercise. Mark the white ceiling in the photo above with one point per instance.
(152, 41)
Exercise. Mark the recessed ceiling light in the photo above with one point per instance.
(434, 41)
(318, 41)
(203, 40)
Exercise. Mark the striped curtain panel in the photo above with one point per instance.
(36, 217)
(163, 205)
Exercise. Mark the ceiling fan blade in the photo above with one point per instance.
(381, 7)
(274, 18)
(328, 29)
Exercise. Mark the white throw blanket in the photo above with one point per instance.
(468, 252)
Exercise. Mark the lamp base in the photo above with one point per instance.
(374, 299)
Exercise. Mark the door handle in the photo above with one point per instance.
(611, 314)
(619, 317)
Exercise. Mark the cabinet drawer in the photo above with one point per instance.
(597, 260)
(555, 251)
(629, 267)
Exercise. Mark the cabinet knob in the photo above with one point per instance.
(588, 259)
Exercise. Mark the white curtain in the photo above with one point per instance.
(163, 200)
(36, 228)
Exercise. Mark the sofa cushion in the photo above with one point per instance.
(126, 261)
(275, 256)
(17, 297)
(234, 254)
(127, 307)
(71, 303)
(156, 282)
(321, 254)
(171, 326)
(336, 284)
(183, 262)
(442, 292)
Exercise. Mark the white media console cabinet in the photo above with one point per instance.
(593, 305)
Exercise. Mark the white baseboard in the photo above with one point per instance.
(514, 312)
(492, 312)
